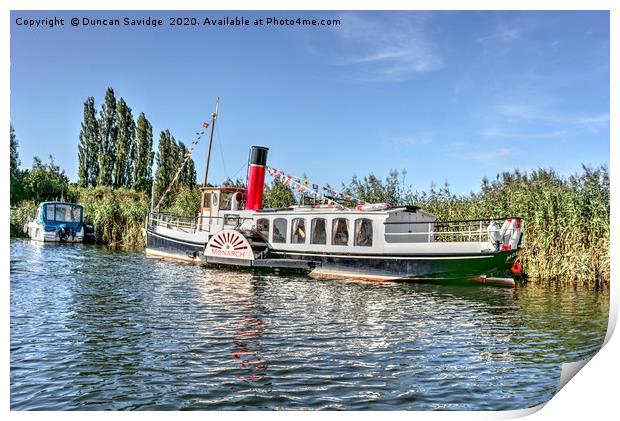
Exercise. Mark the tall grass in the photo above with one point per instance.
(118, 215)
(567, 219)
(21, 214)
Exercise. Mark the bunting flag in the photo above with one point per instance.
(304, 185)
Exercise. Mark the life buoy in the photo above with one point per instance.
(372, 207)
(516, 268)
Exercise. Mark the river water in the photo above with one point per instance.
(93, 328)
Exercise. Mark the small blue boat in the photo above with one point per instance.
(57, 222)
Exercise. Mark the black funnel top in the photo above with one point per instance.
(258, 155)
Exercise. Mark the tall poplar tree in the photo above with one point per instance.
(16, 174)
(188, 174)
(143, 158)
(166, 164)
(107, 135)
(190, 171)
(123, 163)
(88, 147)
(14, 163)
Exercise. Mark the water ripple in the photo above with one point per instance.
(95, 329)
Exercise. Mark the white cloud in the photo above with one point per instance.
(535, 112)
(388, 47)
(497, 133)
(537, 120)
(494, 154)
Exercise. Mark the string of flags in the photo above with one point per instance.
(302, 184)
(188, 153)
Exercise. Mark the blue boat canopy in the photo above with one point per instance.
(55, 214)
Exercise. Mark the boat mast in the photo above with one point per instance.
(213, 119)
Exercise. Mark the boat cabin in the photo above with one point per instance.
(57, 221)
(54, 214)
(318, 229)
(215, 202)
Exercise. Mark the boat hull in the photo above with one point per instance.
(351, 266)
(161, 245)
(408, 267)
(38, 232)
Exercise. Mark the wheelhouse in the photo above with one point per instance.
(219, 206)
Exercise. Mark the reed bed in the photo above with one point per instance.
(567, 219)
(21, 214)
(118, 215)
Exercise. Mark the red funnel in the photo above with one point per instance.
(256, 178)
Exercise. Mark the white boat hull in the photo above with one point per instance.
(37, 232)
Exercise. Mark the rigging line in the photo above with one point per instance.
(239, 170)
(187, 156)
(219, 143)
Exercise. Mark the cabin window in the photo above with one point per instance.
(215, 200)
(206, 200)
(363, 232)
(298, 233)
(63, 213)
(76, 214)
(279, 230)
(340, 232)
(319, 235)
(262, 226)
(226, 200)
(49, 214)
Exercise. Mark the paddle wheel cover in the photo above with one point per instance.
(230, 244)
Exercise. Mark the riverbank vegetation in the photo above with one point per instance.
(567, 219)
(115, 179)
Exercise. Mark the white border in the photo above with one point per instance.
(592, 394)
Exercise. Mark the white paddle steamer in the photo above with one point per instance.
(368, 242)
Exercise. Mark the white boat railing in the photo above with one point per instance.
(187, 223)
(493, 230)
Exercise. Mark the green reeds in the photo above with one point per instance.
(21, 214)
(118, 215)
(567, 219)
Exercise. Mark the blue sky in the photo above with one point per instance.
(448, 96)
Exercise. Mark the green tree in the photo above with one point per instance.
(186, 202)
(166, 164)
(17, 189)
(142, 177)
(107, 143)
(88, 147)
(372, 189)
(278, 195)
(124, 146)
(229, 182)
(45, 181)
(188, 173)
